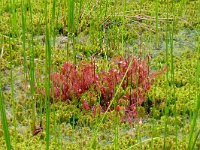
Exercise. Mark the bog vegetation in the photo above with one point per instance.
(108, 74)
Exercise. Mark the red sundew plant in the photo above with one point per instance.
(96, 110)
(85, 105)
(74, 81)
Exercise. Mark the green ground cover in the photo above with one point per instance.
(39, 112)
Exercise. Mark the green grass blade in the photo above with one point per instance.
(157, 34)
(196, 110)
(47, 75)
(3, 118)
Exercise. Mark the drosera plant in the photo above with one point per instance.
(75, 80)
(72, 80)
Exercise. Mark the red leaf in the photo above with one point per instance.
(118, 108)
(85, 105)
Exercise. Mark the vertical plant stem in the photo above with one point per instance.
(173, 92)
(53, 23)
(196, 110)
(157, 34)
(32, 71)
(3, 117)
(13, 33)
(47, 75)
(24, 37)
(71, 26)
(167, 76)
(12, 93)
(116, 125)
(123, 26)
(13, 10)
